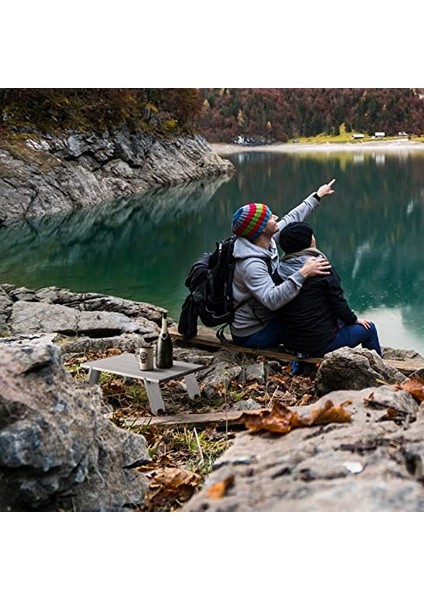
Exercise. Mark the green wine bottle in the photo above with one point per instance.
(164, 346)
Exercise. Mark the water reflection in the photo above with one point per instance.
(141, 247)
(134, 247)
(372, 228)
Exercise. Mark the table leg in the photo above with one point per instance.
(93, 376)
(154, 395)
(192, 386)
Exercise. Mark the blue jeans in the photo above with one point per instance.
(270, 335)
(348, 335)
(352, 335)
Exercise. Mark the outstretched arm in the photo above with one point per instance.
(305, 208)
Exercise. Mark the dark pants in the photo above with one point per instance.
(348, 335)
(269, 335)
(353, 335)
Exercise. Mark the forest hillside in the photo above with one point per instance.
(160, 111)
(280, 114)
(219, 114)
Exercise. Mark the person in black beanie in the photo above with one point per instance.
(319, 319)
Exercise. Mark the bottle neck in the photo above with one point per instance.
(164, 328)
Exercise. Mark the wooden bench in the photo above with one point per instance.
(126, 365)
(206, 338)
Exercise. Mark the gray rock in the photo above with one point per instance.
(39, 317)
(373, 463)
(6, 304)
(125, 342)
(399, 354)
(217, 379)
(253, 372)
(65, 172)
(249, 404)
(95, 322)
(353, 369)
(57, 451)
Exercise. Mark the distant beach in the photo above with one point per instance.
(378, 145)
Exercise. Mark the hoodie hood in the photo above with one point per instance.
(290, 266)
(245, 249)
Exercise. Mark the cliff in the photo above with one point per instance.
(52, 173)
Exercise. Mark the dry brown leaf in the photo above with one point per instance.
(277, 420)
(277, 378)
(415, 387)
(328, 413)
(218, 490)
(281, 419)
(171, 485)
(171, 479)
(305, 399)
(392, 413)
(252, 387)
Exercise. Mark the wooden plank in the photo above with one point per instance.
(407, 366)
(187, 419)
(207, 338)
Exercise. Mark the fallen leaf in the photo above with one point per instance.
(281, 419)
(277, 420)
(305, 399)
(415, 387)
(328, 413)
(392, 413)
(174, 482)
(218, 490)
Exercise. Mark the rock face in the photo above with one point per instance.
(373, 463)
(51, 174)
(98, 321)
(57, 450)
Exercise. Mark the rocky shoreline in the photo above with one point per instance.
(53, 173)
(402, 145)
(59, 449)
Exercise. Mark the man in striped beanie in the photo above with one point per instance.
(256, 296)
(250, 220)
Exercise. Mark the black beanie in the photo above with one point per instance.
(295, 237)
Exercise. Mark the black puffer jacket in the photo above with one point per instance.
(311, 319)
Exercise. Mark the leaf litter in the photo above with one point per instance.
(182, 458)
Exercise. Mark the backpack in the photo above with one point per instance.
(210, 281)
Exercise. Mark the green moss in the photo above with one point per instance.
(16, 146)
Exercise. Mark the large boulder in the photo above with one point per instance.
(97, 320)
(36, 317)
(353, 369)
(374, 462)
(57, 450)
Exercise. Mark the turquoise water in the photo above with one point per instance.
(141, 247)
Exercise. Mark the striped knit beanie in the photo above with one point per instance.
(250, 220)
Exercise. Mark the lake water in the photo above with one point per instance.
(141, 247)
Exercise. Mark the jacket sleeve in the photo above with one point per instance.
(261, 286)
(299, 213)
(338, 301)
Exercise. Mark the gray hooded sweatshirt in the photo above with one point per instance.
(253, 284)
